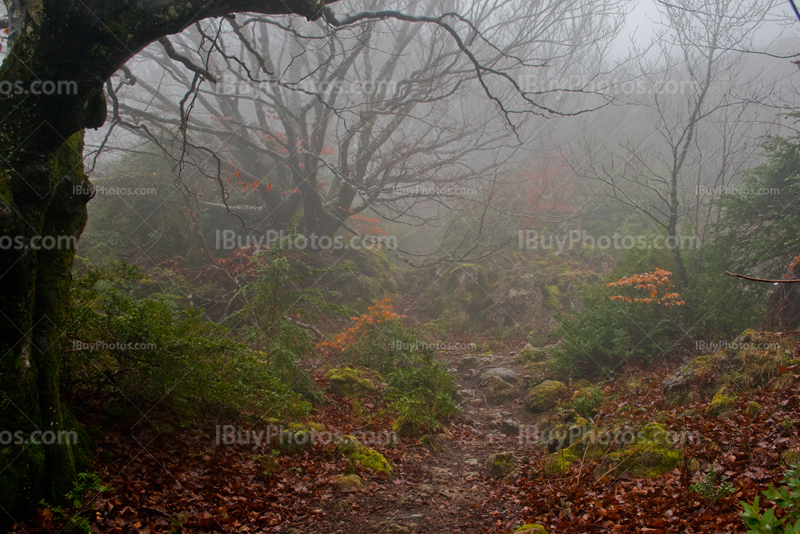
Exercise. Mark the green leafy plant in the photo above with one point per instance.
(88, 483)
(149, 352)
(787, 498)
(280, 305)
(587, 401)
(420, 394)
(712, 487)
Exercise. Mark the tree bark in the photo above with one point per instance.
(44, 192)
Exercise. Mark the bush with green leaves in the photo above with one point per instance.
(148, 353)
(609, 333)
(87, 484)
(587, 401)
(786, 497)
(278, 304)
(420, 394)
(712, 486)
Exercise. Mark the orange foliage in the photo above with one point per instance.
(381, 312)
(366, 225)
(655, 282)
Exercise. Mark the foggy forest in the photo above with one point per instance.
(403, 266)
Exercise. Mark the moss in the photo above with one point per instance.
(559, 462)
(531, 528)
(544, 396)
(650, 456)
(753, 409)
(368, 458)
(791, 457)
(531, 355)
(349, 482)
(723, 403)
(499, 392)
(350, 382)
(500, 463)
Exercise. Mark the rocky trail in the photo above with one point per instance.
(486, 472)
(451, 488)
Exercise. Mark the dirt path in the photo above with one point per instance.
(449, 489)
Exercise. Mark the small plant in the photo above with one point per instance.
(269, 462)
(587, 401)
(88, 483)
(787, 498)
(712, 487)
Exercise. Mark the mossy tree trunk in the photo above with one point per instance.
(77, 45)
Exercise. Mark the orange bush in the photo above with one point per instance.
(656, 282)
(381, 312)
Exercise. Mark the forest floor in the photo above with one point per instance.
(183, 480)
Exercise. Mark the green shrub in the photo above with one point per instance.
(278, 305)
(787, 498)
(611, 332)
(420, 394)
(147, 352)
(712, 487)
(586, 401)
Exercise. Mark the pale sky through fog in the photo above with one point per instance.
(639, 22)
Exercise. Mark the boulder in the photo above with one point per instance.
(723, 403)
(651, 454)
(545, 396)
(531, 354)
(503, 373)
(368, 458)
(559, 462)
(350, 382)
(350, 482)
(499, 392)
(531, 528)
(500, 463)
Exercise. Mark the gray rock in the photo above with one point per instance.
(504, 373)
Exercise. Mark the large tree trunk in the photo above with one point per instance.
(44, 191)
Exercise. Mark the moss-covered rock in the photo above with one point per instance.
(350, 382)
(753, 409)
(531, 354)
(531, 528)
(723, 403)
(501, 463)
(368, 458)
(651, 454)
(468, 363)
(559, 462)
(545, 396)
(349, 482)
(499, 392)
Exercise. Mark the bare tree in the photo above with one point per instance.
(693, 108)
(332, 120)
